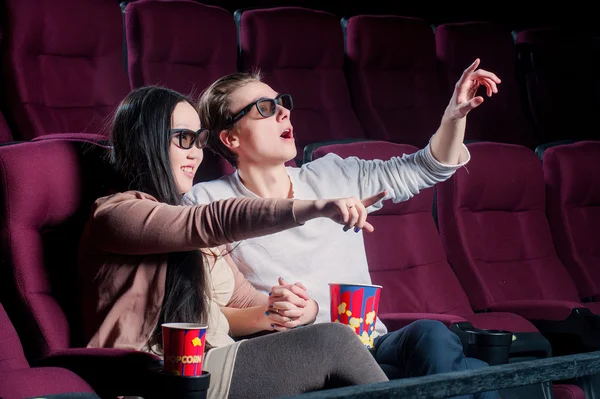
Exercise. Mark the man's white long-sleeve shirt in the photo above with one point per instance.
(320, 252)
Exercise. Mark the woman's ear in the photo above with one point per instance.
(229, 139)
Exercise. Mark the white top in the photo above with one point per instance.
(320, 252)
(219, 361)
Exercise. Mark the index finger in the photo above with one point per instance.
(472, 67)
(367, 202)
(467, 72)
(282, 281)
(299, 291)
(290, 292)
(368, 227)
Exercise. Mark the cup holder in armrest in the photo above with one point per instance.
(477, 336)
(491, 346)
(162, 385)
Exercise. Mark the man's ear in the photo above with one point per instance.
(229, 139)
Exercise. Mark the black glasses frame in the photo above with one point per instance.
(196, 140)
(279, 100)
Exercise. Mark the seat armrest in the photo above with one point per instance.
(538, 309)
(569, 326)
(111, 372)
(395, 321)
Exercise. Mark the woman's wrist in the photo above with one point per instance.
(264, 323)
(305, 210)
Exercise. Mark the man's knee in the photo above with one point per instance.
(423, 347)
(432, 334)
(473, 363)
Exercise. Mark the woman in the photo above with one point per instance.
(140, 264)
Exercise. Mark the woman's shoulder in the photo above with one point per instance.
(114, 198)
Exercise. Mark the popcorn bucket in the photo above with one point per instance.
(356, 305)
(183, 348)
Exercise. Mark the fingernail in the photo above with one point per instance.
(272, 325)
(346, 228)
(356, 229)
(266, 313)
(270, 293)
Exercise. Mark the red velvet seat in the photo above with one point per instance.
(393, 77)
(46, 191)
(63, 69)
(301, 52)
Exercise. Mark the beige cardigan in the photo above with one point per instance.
(228, 288)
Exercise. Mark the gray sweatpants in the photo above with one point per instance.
(305, 359)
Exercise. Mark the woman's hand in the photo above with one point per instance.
(290, 306)
(350, 212)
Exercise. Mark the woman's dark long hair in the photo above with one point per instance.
(141, 136)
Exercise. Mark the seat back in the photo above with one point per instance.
(46, 191)
(5, 134)
(301, 52)
(393, 78)
(165, 47)
(547, 55)
(11, 351)
(165, 44)
(493, 225)
(572, 173)
(19, 380)
(63, 65)
(503, 117)
(404, 253)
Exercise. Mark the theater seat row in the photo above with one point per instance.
(492, 264)
(516, 250)
(67, 75)
(377, 77)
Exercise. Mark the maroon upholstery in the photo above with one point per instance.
(547, 55)
(5, 135)
(42, 191)
(165, 47)
(18, 380)
(571, 172)
(90, 138)
(406, 257)
(503, 117)
(301, 52)
(46, 190)
(494, 229)
(393, 78)
(333, 6)
(40, 381)
(11, 351)
(167, 44)
(63, 65)
(567, 391)
(47, 187)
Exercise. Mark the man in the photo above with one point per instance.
(251, 127)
